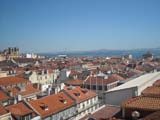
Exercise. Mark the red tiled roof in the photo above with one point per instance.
(19, 109)
(157, 83)
(98, 80)
(11, 81)
(3, 96)
(29, 89)
(103, 113)
(74, 82)
(2, 110)
(152, 92)
(146, 103)
(116, 77)
(53, 102)
(79, 94)
(14, 91)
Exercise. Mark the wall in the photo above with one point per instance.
(117, 97)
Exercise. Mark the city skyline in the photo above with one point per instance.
(48, 26)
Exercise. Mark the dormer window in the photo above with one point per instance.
(84, 91)
(77, 94)
(44, 106)
(63, 101)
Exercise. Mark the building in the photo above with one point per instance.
(2, 57)
(101, 83)
(54, 107)
(12, 52)
(141, 106)
(3, 74)
(31, 55)
(18, 88)
(130, 89)
(21, 111)
(5, 99)
(86, 100)
(151, 91)
(10, 82)
(74, 82)
(22, 62)
(43, 78)
(29, 92)
(105, 112)
(4, 114)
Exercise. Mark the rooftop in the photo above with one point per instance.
(3, 96)
(2, 110)
(157, 83)
(104, 112)
(29, 89)
(74, 82)
(11, 80)
(52, 104)
(100, 80)
(151, 91)
(79, 94)
(150, 78)
(145, 103)
(19, 109)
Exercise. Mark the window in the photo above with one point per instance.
(83, 105)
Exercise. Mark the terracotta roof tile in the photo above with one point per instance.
(79, 94)
(151, 91)
(3, 96)
(55, 103)
(157, 83)
(146, 103)
(116, 77)
(98, 80)
(19, 109)
(2, 110)
(74, 82)
(103, 113)
(29, 89)
(11, 80)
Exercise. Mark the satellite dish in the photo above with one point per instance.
(135, 114)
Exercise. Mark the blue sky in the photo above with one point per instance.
(58, 25)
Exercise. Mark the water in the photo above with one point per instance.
(134, 53)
